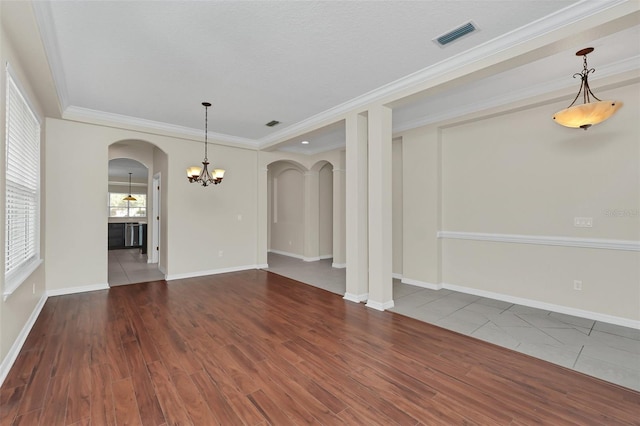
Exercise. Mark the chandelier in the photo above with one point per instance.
(589, 113)
(199, 174)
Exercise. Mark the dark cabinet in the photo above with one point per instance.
(116, 235)
(127, 235)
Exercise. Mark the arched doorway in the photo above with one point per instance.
(300, 233)
(134, 225)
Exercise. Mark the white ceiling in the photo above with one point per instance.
(119, 169)
(153, 63)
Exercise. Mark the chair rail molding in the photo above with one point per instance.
(597, 243)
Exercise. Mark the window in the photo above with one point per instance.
(22, 181)
(118, 207)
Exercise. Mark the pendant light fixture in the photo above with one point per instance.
(201, 175)
(129, 197)
(589, 113)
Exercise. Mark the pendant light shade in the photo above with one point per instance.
(129, 197)
(589, 113)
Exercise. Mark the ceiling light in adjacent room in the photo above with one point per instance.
(201, 175)
(129, 197)
(305, 142)
(589, 113)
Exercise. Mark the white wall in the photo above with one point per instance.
(521, 174)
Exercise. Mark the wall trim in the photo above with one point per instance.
(172, 277)
(326, 256)
(596, 243)
(338, 265)
(380, 306)
(284, 253)
(396, 276)
(356, 297)
(12, 355)
(311, 259)
(262, 266)
(422, 284)
(596, 316)
(81, 289)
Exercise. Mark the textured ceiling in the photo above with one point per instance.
(262, 60)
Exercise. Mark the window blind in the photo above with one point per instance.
(22, 180)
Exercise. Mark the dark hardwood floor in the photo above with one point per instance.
(255, 348)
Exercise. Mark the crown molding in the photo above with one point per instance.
(91, 116)
(44, 19)
(441, 71)
(540, 90)
(562, 18)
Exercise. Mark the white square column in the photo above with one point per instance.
(380, 208)
(356, 203)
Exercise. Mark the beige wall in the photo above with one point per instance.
(521, 174)
(396, 176)
(285, 188)
(326, 211)
(287, 215)
(19, 308)
(207, 229)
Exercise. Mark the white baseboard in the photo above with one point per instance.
(73, 290)
(396, 276)
(262, 266)
(311, 259)
(422, 284)
(356, 297)
(210, 272)
(12, 355)
(596, 316)
(339, 265)
(284, 253)
(380, 306)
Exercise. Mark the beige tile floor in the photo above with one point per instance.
(602, 350)
(129, 266)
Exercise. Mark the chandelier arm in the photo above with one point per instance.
(579, 91)
(588, 91)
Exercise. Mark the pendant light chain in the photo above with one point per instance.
(206, 130)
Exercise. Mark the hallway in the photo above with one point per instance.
(129, 266)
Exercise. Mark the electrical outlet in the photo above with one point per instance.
(220, 253)
(583, 222)
(34, 288)
(577, 285)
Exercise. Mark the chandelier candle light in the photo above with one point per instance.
(589, 113)
(201, 175)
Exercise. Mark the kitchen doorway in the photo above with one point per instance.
(129, 217)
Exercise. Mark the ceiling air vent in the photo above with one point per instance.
(455, 34)
(273, 123)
